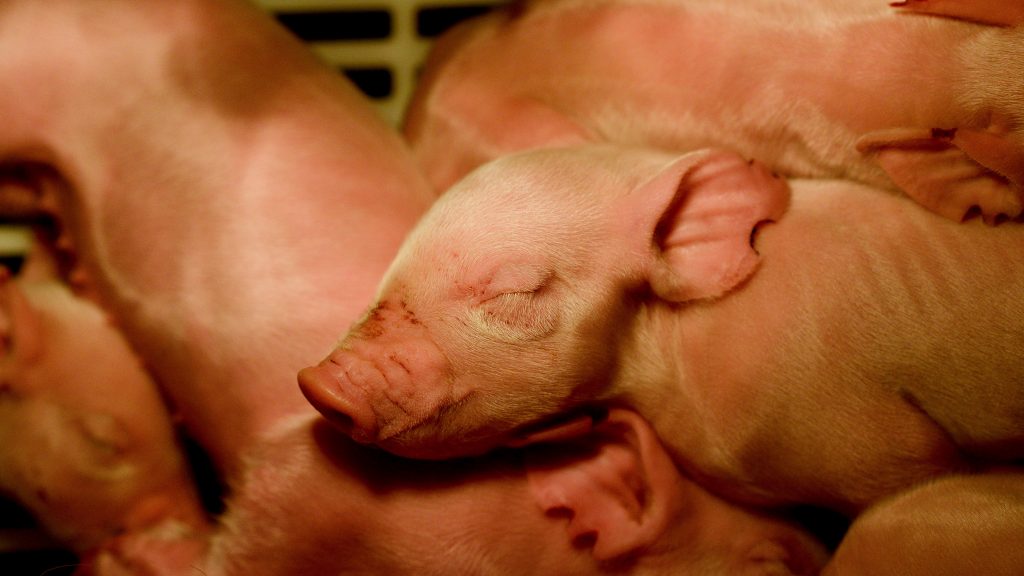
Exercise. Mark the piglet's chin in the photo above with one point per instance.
(341, 403)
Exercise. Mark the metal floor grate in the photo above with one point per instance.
(380, 45)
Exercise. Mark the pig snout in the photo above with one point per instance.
(338, 389)
(385, 379)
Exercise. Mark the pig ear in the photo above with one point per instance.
(707, 206)
(20, 326)
(952, 172)
(999, 12)
(616, 489)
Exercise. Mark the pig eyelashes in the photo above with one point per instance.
(515, 279)
(511, 307)
(518, 315)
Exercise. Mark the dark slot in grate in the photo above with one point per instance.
(338, 25)
(374, 82)
(12, 263)
(432, 22)
(32, 562)
(12, 515)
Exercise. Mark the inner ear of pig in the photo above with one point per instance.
(709, 207)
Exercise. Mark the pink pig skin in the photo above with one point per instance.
(948, 527)
(870, 345)
(88, 446)
(813, 89)
(230, 200)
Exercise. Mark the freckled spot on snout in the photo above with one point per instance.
(407, 313)
(398, 360)
(386, 315)
(372, 326)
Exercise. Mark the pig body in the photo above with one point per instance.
(230, 208)
(855, 90)
(88, 446)
(954, 525)
(860, 346)
(228, 200)
(375, 514)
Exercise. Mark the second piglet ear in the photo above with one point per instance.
(703, 211)
(615, 487)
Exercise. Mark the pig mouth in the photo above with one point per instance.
(562, 427)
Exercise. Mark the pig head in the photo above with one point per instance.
(88, 446)
(503, 305)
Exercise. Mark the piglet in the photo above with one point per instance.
(88, 445)
(226, 197)
(850, 349)
(960, 524)
(847, 89)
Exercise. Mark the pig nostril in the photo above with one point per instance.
(347, 425)
(972, 212)
(341, 420)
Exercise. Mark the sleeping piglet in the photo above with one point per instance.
(88, 445)
(185, 182)
(850, 349)
(854, 89)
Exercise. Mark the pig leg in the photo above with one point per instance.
(1000, 12)
(953, 172)
(955, 525)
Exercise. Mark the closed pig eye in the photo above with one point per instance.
(510, 307)
(518, 315)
